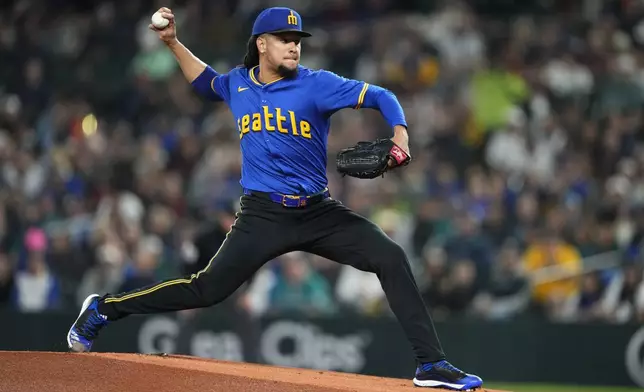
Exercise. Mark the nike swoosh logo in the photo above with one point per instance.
(240, 89)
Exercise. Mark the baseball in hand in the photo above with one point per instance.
(159, 21)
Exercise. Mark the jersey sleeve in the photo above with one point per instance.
(221, 87)
(212, 85)
(335, 92)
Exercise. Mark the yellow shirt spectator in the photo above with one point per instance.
(548, 253)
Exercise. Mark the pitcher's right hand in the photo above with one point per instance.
(167, 34)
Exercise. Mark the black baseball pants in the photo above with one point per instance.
(264, 230)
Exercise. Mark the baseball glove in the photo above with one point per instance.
(370, 159)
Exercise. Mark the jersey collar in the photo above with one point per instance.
(251, 74)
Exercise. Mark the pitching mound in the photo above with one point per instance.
(107, 372)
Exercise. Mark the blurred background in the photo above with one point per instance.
(522, 213)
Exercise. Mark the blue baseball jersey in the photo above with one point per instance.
(284, 125)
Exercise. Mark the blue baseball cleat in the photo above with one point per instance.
(443, 375)
(85, 328)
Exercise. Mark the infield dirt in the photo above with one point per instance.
(31, 371)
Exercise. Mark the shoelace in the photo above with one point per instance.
(441, 365)
(90, 327)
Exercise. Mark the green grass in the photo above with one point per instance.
(556, 388)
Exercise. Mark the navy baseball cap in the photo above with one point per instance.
(279, 20)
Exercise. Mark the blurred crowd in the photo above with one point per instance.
(525, 196)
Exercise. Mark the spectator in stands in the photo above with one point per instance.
(24, 173)
(525, 217)
(497, 225)
(624, 298)
(300, 289)
(599, 238)
(586, 306)
(360, 292)
(36, 288)
(448, 287)
(68, 263)
(444, 182)
(549, 257)
(109, 272)
(508, 292)
(431, 223)
(434, 278)
(142, 271)
(508, 149)
(163, 225)
(455, 293)
(463, 287)
(35, 93)
(330, 270)
(469, 243)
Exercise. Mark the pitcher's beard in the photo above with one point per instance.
(287, 73)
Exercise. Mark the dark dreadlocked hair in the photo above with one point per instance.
(251, 58)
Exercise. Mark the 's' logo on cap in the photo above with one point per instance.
(292, 19)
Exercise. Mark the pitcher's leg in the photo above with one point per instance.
(245, 249)
(259, 234)
(335, 232)
(343, 236)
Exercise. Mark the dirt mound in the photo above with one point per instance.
(106, 372)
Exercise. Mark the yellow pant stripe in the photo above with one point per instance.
(361, 96)
(174, 281)
(148, 291)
